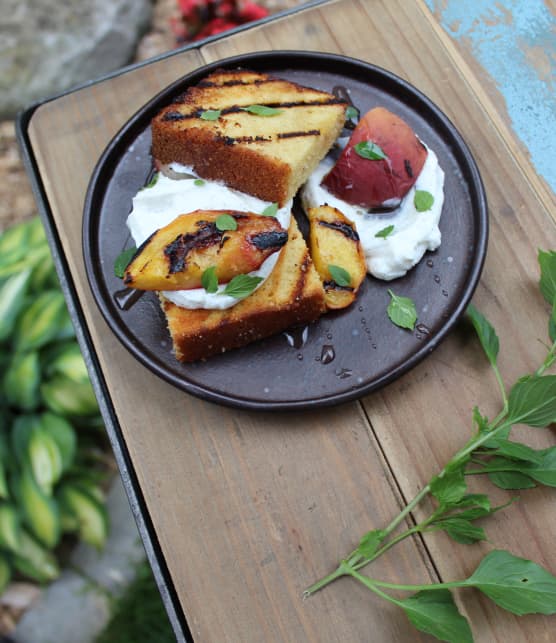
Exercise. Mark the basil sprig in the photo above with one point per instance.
(515, 584)
(225, 222)
(122, 261)
(210, 114)
(340, 275)
(241, 286)
(262, 110)
(370, 151)
(423, 200)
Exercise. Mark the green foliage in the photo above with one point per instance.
(46, 399)
(517, 585)
(139, 616)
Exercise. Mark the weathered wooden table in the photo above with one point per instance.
(241, 510)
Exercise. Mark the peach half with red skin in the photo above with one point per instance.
(377, 182)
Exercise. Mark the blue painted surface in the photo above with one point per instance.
(503, 36)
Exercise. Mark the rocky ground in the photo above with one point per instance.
(17, 204)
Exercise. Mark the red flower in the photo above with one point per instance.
(202, 18)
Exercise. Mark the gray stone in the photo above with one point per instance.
(71, 610)
(49, 46)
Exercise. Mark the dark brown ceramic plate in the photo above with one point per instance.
(346, 354)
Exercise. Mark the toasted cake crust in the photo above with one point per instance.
(266, 156)
(293, 294)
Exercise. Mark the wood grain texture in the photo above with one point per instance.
(252, 507)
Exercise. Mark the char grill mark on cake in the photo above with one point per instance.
(347, 230)
(183, 244)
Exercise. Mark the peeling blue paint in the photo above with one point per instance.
(500, 35)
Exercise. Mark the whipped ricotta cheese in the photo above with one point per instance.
(157, 206)
(414, 232)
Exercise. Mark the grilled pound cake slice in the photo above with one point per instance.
(267, 156)
(292, 294)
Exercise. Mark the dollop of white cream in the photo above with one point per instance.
(157, 206)
(414, 232)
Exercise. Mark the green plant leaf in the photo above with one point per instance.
(262, 110)
(515, 584)
(461, 530)
(198, 182)
(122, 261)
(486, 333)
(552, 324)
(511, 480)
(385, 232)
(449, 488)
(423, 200)
(153, 181)
(241, 286)
(436, 613)
(370, 151)
(401, 311)
(517, 451)
(209, 280)
(370, 542)
(270, 210)
(351, 112)
(340, 275)
(225, 222)
(532, 401)
(210, 114)
(547, 283)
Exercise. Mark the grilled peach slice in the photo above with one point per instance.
(380, 163)
(337, 255)
(175, 256)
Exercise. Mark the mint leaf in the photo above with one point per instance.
(209, 280)
(547, 283)
(486, 333)
(153, 181)
(515, 584)
(370, 542)
(532, 401)
(552, 324)
(370, 151)
(210, 114)
(401, 311)
(262, 110)
(449, 488)
(241, 286)
(270, 210)
(385, 232)
(436, 613)
(543, 471)
(122, 261)
(423, 200)
(351, 112)
(198, 182)
(340, 275)
(517, 451)
(510, 478)
(225, 222)
(461, 530)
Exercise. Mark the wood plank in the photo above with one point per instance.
(252, 507)
(421, 420)
(233, 495)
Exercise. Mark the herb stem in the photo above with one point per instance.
(391, 543)
(337, 573)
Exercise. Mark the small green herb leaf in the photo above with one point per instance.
(241, 286)
(209, 280)
(552, 324)
(211, 114)
(547, 283)
(401, 311)
(486, 333)
(515, 584)
(153, 180)
(436, 613)
(370, 151)
(122, 261)
(461, 530)
(225, 222)
(198, 182)
(351, 112)
(449, 488)
(423, 200)
(262, 110)
(340, 275)
(370, 542)
(270, 210)
(385, 232)
(532, 401)
(518, 451)
(508, 479)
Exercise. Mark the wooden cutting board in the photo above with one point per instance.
(245, 509)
